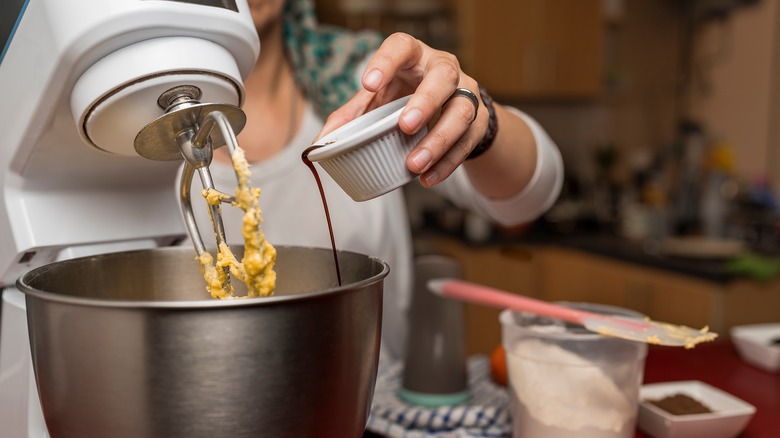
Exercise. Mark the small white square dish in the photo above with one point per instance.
(728, 415)
(758, 345)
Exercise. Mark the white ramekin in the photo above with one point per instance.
(367, 156)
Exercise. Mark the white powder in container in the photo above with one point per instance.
(557, 394)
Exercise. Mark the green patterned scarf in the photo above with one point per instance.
(324, 58)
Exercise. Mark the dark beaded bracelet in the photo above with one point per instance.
(492, 130)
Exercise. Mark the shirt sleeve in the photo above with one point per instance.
(538, 196)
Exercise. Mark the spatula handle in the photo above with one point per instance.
(479, 294)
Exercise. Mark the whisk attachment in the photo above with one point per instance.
(192, 130)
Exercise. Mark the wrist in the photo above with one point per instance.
(492, 129)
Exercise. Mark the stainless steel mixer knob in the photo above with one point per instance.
(179, 94)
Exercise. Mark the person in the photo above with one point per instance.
(309, 79)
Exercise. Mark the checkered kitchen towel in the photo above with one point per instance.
(486, 414)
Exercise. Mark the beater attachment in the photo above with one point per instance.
(192, 130)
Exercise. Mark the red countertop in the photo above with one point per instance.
(719, 365)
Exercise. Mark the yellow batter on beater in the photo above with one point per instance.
(256, 268)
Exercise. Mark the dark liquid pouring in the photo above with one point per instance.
(310, 165)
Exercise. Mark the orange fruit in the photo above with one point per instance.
(498, 365)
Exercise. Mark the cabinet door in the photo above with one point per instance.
(663, 296)
(534, 48)
(679, 299)
(751, 302)
(575, 276)
(509, 268)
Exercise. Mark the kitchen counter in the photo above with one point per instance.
(715, 270)
(610, 246)
(719, 365)
(604, 269)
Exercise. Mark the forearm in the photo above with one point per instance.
(508, 166)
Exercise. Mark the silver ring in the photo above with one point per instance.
(465, 92)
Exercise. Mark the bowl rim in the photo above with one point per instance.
(680, 386)
(750, 341)
(753, 334)
(33, 293)
(749, 329)
(387, 115)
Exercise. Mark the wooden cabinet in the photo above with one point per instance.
(662, 295)
(569, 275)
(533, 48)
(510, 268)
(750, 302)
(518, 49)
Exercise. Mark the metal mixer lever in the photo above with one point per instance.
(197, 150)
(187, 131)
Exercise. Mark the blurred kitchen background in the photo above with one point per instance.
(667, 114)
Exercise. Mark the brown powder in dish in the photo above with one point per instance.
(681, 404)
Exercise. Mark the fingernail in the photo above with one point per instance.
(421, 159)
(412, 118)
(431, 178)
(373, 79)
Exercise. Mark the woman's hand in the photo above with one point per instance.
(404, 65)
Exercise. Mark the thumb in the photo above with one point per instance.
(351, 110)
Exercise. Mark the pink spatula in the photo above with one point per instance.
(642, 330)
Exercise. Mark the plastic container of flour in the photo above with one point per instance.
(566, 381)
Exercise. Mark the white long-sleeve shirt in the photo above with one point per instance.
(293, 213)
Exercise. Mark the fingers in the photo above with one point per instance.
(441, 78)
(398, 52)
(402, 65)
(442, 75)
(448, 142)
(357, 105)
(434, 75)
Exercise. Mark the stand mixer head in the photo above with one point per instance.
(104, 65)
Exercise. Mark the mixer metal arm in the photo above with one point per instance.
(187, 131)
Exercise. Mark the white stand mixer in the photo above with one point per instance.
(79, 79)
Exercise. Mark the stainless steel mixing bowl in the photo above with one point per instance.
(130, 345)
